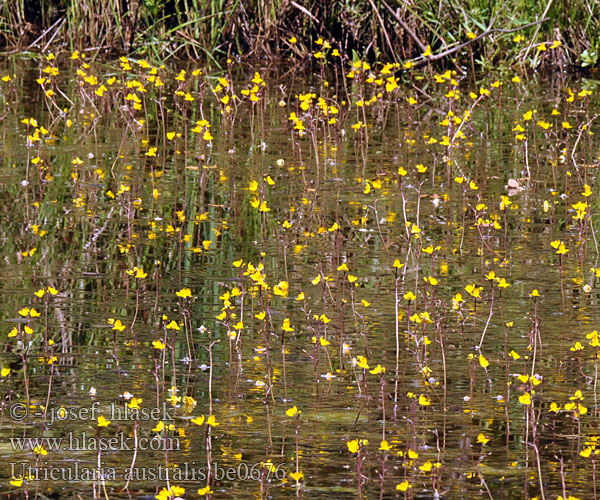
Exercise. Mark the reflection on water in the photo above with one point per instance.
(219, 287)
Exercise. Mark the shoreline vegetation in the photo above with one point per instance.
(475, 35)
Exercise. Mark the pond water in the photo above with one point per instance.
(262, 287)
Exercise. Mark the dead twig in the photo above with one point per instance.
(305, 10)
(405, 26)
(385, 33)
(537, 29)
(422, 61)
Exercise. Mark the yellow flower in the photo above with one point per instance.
(528, 115)
(384, 446)
(184, 292)
(423, 400)
(138, 273)
(118, 326)
(281, 289)
(482, 439)
(483, 361)
(403, 486)
(297, 476)
(353, 446)
(212, 421)
(198, 420)
(474, 291)
(377, 370)
(502, 283)
(426, 467)
(158, 345)
(292, 411)
(204, 491)
(40, 450)
(135, 403)
(324, 342)
(525, 399)
(103, 422)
